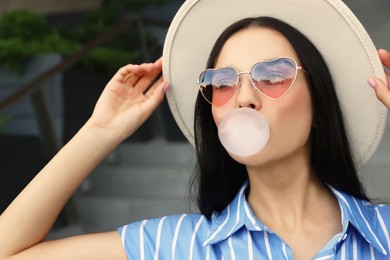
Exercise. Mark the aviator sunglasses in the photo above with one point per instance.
(272, 78)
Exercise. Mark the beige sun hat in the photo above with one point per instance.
(329, 24)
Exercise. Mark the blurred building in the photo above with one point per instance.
(49, 6)
(148, 177)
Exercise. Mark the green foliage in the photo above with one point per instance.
(24, 34)
(15, 51)
(134, 5)
(109, 60)
(24, 25)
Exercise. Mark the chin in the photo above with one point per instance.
(259, 159)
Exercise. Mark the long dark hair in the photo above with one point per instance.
(218, 177)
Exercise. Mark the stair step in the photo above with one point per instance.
(137, 181)
(155, 152)
(99, 214)
(141, 181)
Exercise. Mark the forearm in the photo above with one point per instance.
(31, 215)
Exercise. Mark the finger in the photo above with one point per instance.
(385, 57)
(155, 85)
(155, 97)
(382, 90)
(132, 73)
(149, 73)
(158, 62)
(124, 72)
(141, 78)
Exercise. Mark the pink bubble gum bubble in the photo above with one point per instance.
(243, 132)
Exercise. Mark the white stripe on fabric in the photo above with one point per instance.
(232, 254)
(267, 246)
(194, 235)
(158, 238)
(343, 251)
(250, 249)
(349, 208)
(354, 246)
(141, 240)
(220, 227)
(175, 236)
(372, 252)
(368, 225)
(342, 198)
(238, 210)
(284, 250)
(384, 228)
(123, 235)
(250, 217)
(324, 257)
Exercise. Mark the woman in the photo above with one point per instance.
(289, 208)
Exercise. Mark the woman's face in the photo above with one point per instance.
(290, 117)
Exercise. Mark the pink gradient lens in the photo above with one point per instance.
(218, 86)
(272, 78)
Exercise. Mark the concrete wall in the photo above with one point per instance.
(375, 17)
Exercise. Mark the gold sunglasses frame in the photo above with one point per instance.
(297, 67)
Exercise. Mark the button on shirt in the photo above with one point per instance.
(236, 233)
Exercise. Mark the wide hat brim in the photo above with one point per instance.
(331, 26)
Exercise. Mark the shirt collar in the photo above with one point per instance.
(239, 213)
(231, 219)
(362, 216)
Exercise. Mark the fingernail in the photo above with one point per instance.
(371, 82)
(166, 87)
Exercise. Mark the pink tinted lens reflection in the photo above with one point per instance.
(274, 78)
(218, 85)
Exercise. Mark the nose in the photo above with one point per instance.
(248, 96)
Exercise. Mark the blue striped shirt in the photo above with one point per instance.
(236, 233)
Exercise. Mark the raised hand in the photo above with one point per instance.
(128, 99)
(382, 89)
